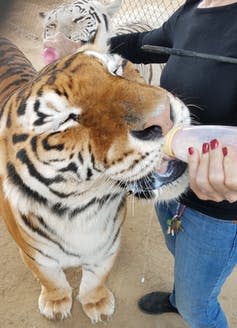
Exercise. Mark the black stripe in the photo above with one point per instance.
(36, 105)
(16, 179)
(106, 22)
(150, 73)
(46, 236)
(52, 25)
(78, 19)
(34, 144)
(23, 157)
(100, 202)
(52, 78)
(40, 92)
(41, 116)
(94, 14)
(69, 61)
(58, 92)
(43, 223)
(11, 71)
(116, 235)
(47, 146)
(89, 174)
(71, 167)
(107, 198)
(19, 137)
(21, 109)
(120, 226)
(32, 258)
(14, 84)
(9, 119)
(59, 209)
(61, 194)
(44, 254)
(80, 158)
(93, 163)
(121, 205)
(78, 210)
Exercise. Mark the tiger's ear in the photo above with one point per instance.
(50, 112)
(112, 7)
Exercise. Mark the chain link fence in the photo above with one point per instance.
(152, 12)
(21, 23)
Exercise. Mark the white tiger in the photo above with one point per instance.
(69, 26)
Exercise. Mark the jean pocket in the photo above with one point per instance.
(209, 234)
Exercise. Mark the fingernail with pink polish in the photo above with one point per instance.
(214, 144)
(205, 148)
(190, 150)
(225, 151)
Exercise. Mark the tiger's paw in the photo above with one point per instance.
(104, 307)
(53, 306)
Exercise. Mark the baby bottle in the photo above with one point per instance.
(179, 139)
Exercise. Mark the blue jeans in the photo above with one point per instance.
(205, 253)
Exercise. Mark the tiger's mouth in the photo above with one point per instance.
(146, 186)
(57, 46)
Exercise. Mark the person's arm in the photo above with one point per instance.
(213, 174)
(129, 45)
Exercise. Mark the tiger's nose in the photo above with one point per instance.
(161, 118)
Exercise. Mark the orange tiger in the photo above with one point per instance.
(74, 137)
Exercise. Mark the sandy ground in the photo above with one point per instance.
(143, 252)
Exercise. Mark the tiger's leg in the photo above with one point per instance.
(95, 298)
(55, 300)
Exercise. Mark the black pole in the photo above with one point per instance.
(188, 53)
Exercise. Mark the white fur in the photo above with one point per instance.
(53, 105)
(89, 238)
(61, 19)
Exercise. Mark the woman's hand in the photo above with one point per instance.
(213, 174)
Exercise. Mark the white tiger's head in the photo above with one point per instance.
(69, 26)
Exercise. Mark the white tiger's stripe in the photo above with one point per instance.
(81, 20)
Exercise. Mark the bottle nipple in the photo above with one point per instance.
(168, 142)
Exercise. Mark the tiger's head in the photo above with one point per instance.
(88, 121)
(70, 26)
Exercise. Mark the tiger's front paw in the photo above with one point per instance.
(56, 304)
(105, 306)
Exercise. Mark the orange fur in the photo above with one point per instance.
(35, 190)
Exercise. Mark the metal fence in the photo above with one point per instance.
(153, 12)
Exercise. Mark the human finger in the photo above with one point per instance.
(199, 175)
(193, 165)
(216, 173)
(230, 169)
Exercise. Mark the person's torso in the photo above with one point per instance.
(208, 87)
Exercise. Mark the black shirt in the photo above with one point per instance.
(207, 87)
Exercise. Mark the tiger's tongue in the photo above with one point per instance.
(58, 46)
(50, 55)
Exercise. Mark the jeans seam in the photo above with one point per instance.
(224, 269)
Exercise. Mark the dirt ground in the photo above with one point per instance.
(143, 252)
